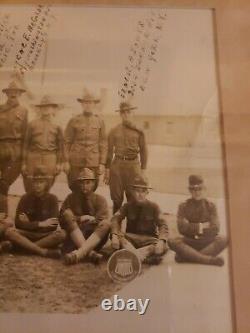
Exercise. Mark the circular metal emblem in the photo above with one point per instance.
(123, 266)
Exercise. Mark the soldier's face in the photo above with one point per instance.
(197, 193)
(140, 194)
(47, 111)
(87, 186)
(13, 95)
(39, 186)
(88, 106)
(126, 116)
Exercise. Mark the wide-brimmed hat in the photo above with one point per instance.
(195, 181)
(40, 172)
(88, 97)
(140, 182)
(125, 106)
(86, 174)
(47, 100)
(13, 86)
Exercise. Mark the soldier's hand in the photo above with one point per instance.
(160, 247)
(106, 178)
(66, 167)
(24, 169)
(101, 169)
(58, 169)
(87, 218)
(23, 217)
(52, 222)
(2, 216)
(115, 242)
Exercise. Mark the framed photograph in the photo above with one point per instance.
(124, 163)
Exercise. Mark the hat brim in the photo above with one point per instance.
(141, 186)
(82, 100)
(55, 105)
(13, 89)
(81, 179)
(127, 109)
(40, 177)
(193, 187)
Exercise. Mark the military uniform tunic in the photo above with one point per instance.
(43, 145)
(125, 144)
(13, 123)
(193, 212)
(76, 205)
(145, 223)
(85, 144)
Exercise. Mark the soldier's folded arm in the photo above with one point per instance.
(21, 220)
(102, 213)
(214, 225)
(185, 227)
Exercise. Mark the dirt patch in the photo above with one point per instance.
(32, 284)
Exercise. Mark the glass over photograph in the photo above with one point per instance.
(112, 177)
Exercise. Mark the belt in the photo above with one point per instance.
(126, 158)
(9, 139)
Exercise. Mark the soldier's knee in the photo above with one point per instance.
(10, 233)
(173, 243)
(4, 187)
(68, 221)
(103, 229)
(222, 241)
(60, 235)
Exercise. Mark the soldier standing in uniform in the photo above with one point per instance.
(84, 216)
(197, 221)
(37, 219)
(146, 230)
(13, 123)
(85, 141)
(125, 143)
(43, 144)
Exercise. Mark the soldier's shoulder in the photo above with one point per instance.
(25, 198)
(22, 109)
(184, 203)
(75, 117)
(210, 204)
(34, 122)
(116, 128)
(52, 197)
(97, 120)
(99, 198)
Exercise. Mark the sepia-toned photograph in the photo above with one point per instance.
(112, 173)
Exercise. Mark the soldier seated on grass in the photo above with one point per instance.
(146, 231)
(37, 219)
(198, 224)
(5, 223)
(84, 216)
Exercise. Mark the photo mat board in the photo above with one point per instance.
(156, 90)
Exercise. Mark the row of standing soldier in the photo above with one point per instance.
(83, 148)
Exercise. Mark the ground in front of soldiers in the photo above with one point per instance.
(38, 285)
(31, 284)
